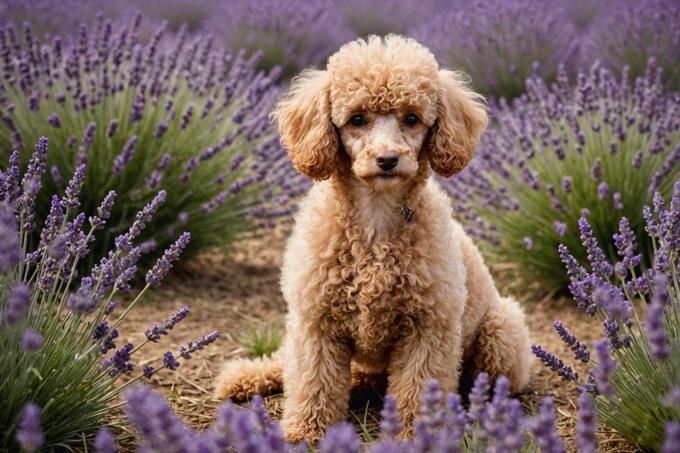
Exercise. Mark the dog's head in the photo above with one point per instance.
(388, 106)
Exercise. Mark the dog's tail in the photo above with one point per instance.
(240, 379)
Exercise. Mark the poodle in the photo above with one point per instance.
(377, 275)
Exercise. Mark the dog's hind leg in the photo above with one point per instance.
(240, 379)
(502, 344)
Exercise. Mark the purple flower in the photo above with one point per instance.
(390, 427)
(170, 361)
(148, 371)
(18, 302)
(560, 228)
(556, 364)
(125, 156)
(103, 211)
(671, 443)
(200, 343)
(672, 399)
(31, 340)
(101, 330)
(596, 256)
(543, 428)
(602, 190)
(587, 424)
(124, 242)
(53, 120)
(528, 242)
(604, 369)
(154, 334)
(155, 276)
(104, 442)
(656, 332)
(10, 251)
(340, 439)
(70, 200)
(121, 360)
(479, 396)
(150, 414)
(626, 244)
(109, 342)
(113, 126)
(618, 202)
(29, 433)
(580, 350)
(31, 184)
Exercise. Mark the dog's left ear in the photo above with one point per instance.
(460, 122)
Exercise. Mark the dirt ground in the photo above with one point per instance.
(236, 293)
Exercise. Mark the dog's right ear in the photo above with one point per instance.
(304, 119)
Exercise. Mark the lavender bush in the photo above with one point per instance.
(60, 364)
(381, 17)
(291, 34)
(173, 113)
(500, 43)
(629, 33)
(635, 368)
(599, 148)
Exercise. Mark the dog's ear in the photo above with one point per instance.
(461, 119)
(304, 120)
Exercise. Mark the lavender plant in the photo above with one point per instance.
(635, 369)
(172, 113)
(382, 17)
(629, 33)
(291, 34)
(60, 364)
(501, 43)
(599, 148)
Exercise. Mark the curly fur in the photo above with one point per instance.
(367, 291)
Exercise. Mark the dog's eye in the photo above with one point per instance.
(357, 120)
(411, 119)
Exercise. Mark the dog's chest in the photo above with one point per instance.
(382, 288)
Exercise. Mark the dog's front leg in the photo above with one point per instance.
(317, 384)
(431, 351)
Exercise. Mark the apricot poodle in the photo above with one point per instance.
(377, 276)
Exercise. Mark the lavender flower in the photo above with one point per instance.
(70, 200)
(672, 399)
(29, 433)
(103, 211)
(587, 424)
(121, 361)
(200, 343)
(672, 441)
(104, 442)
(10, 253)
(148, 371)
(17, 303)
(163, 265)
(543, 428)
(154, 334)
(580, 350)
(560, 227)
(656, 333)
(340, 439)
(556, 364)
(31, 340)
(604, 369)
(390, 427)
(170, 361)
(479, 395)
(125, 156)
(596, 256)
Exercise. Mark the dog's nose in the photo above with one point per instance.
(387, 162)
